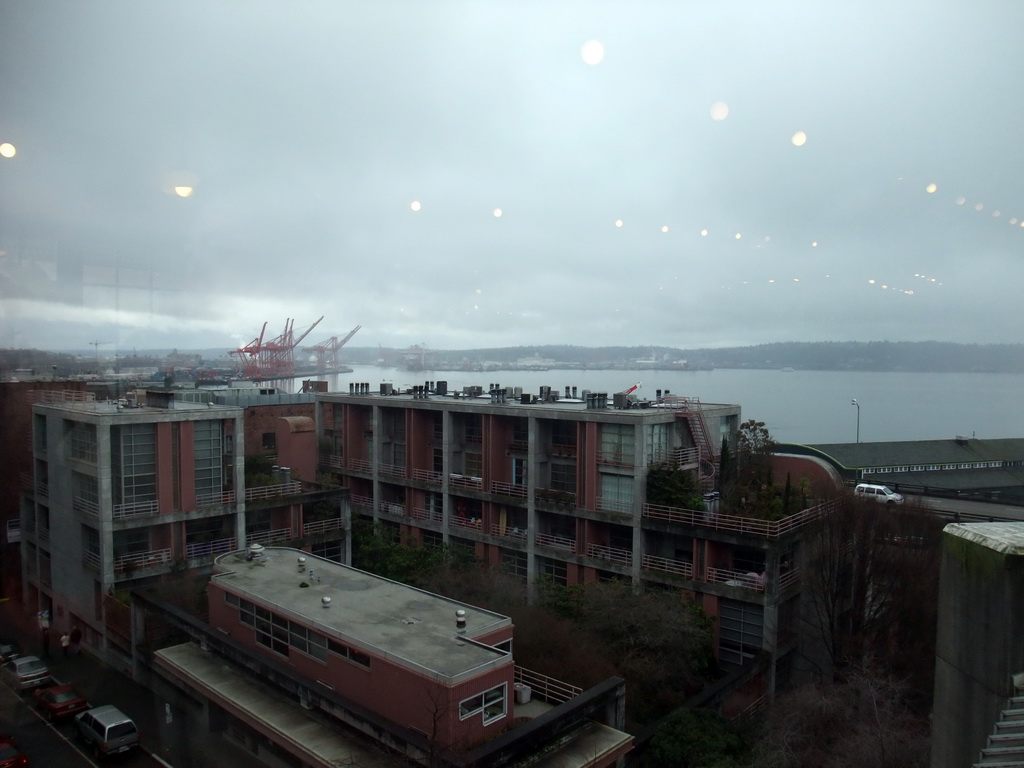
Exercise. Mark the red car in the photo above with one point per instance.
(60, 701)
(10, 757)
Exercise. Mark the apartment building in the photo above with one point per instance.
(554, 486)
(123, 493)
(362, 667)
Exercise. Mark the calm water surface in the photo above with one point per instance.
(796, 406)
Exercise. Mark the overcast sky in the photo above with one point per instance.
(349, 160)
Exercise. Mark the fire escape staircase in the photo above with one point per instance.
(690, 410)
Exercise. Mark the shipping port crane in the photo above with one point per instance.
(327, 359)
(272, 360)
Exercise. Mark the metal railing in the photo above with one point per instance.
(362, 503)
(614, 505)
(330, 460)
(745, 579)
(273, 491)
(508, 531)
(215, 547)
(134, 508)
(545, 688)
(612, 554)
(140, 560)
(555, 542)
(615, 458)
(216, 499)
(392, 508)
(434, 515)
(322, 526)
(748, 525)
(29, 484)
(473, 523)
(91, 560)
(427, 476)
(466, 481)
(90, 508)
(508, 489)
(268, 537)
(359, 465)
(391, 470)
(789, 578)
(668, 565)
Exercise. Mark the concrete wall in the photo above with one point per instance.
(979, 641)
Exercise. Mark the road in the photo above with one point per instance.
(970, 511)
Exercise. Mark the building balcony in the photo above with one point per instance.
(29, 485)
(508, 532)
(744, 579)
(216, 499)
(87, 507)
(518, 447)
(615, 555)
(316, 527)
(472, 523)
(509, 489)
(736, 524)
(393, 509)
(615, 505)
(543, 687)
(360, 465)
(214, 547)
(555, 497)
(432, 515)
(615, 458)
(563, 450)
(668, 565)
(43, 534)
(789, 579)
(136, 508)
(268, 537)
(273, 491)
(334, 462)
(391, 470)
(91, 560)
(361, 504)
(467, 482)
(427, 476)
(135, 560)
(554, 541)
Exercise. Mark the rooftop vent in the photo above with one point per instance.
(460, 621)
(301, 564)
(255, 552)
(325, 601)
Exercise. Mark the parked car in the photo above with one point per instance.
(59, 701)
(10, 755)
(25, 672)
(879, 493)
(9, 650)
(107, 730)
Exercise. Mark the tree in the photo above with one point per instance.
(754, 442)
(673, 487)
(697, 738)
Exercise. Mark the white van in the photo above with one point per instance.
(879, 493)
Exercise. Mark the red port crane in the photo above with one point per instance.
(261, 360)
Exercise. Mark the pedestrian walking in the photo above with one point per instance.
(65, 643)
(76, 640)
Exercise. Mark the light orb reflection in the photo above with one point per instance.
(183, 191)
(719, 110)
(497, 213)
(592, 53)
(799, 139)
(618, 222)
(7, 150)
(415, 205)
(931, 188)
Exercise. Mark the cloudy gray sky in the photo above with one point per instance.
(657, 196)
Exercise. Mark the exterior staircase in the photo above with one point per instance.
(1005, 747)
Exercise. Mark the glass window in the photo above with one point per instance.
(492, 703)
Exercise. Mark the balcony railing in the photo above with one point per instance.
(433, 515)
(473, 523)
(561, 449)
(789, 578)
(322, 526)
(360, 465)
(392, 508)
(215, 547)
(508, 531)
(43, 534)
(668, 565)
(612, 554)
(361, 503)
(615, 505)
(745, 579)
(508, 489)
(426, 476)
(273, 491)
(615, 458)
(391, 470)
(269, 537)
(555, 541)
(736, 524)
(134, 508)
(91, 560)
(519, 446)
(29, 484)
(86, 506)
(135, 560)
(216, 499)
(332, 461)
(555, 496)
(545, 688)
(466, 481)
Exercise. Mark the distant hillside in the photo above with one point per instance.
(925, 356)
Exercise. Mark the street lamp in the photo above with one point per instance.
(854, 402)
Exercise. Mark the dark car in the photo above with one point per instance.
(9, 650)
(10, 756)
(59, 701)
